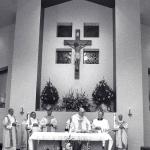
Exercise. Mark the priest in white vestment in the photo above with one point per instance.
(9, 131)
(24, 133)
(48, 124)
(79, 124)
(34, 124)
(121, 134)
(101, 125)
(29, 125)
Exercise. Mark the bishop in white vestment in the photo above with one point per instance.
(9, 131)
(121, 134)
(79, 124)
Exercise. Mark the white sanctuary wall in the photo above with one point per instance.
(77, 12)
(129, 68)
(146, 81)
(6, 51)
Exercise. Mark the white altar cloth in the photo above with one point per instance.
(63, 136)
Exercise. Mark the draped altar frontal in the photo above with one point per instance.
(65, 136)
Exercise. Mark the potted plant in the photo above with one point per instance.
(103, 96)
(49, 95)
(73, 101)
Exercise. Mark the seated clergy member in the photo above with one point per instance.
(9, 131)
(121, 134)
(79, 124)
(101, 125)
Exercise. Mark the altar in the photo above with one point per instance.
(65, 136)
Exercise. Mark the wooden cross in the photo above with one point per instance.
(77, 45)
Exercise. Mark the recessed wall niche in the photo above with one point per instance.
(91, 56)
(91, 30)
(63, 56)
(64, 30)
(3, 83)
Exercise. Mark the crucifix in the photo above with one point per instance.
(77, 45)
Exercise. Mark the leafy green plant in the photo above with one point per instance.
(103, 94)
(73, 101)
(49, 95)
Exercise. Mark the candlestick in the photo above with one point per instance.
(130, 113)
(114, 119)
(21, 110)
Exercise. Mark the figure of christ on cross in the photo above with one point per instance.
(77, 45)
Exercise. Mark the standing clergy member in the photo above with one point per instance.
(79, 124)
(101, 125)
(9, 131)
(25, 132)
(34, 123)
(49, 122)
(121, 134)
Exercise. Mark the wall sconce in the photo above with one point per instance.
(21, 110)
(130, 113)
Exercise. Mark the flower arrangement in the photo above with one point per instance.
(104, 95)
(49, 95)
(73, 101)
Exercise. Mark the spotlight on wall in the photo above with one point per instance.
(21, 110)
(130, 112)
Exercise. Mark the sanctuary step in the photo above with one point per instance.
(145, 148)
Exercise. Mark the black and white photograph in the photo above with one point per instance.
(74, 74)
